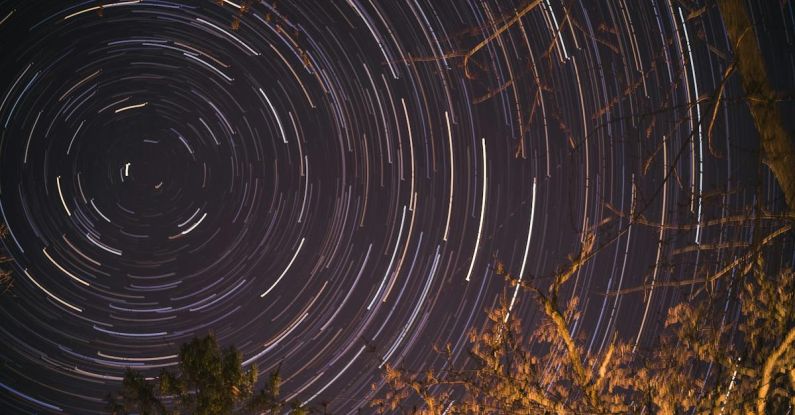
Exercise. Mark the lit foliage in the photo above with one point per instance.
(699, 364)
(209, 381)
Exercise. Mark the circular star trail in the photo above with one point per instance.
(327, 185)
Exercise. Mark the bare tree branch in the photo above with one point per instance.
(710, 278)
(530, 6)
(767, 371)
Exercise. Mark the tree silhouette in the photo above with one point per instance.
(209, 381)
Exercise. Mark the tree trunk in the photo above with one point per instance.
(779, 151)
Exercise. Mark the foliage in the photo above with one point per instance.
(698, 365)
(209, 381)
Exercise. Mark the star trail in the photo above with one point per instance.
(327, 185)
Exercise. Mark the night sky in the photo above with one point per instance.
(327, 186)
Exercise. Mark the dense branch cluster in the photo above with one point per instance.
(698, 365)
(725, 348)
